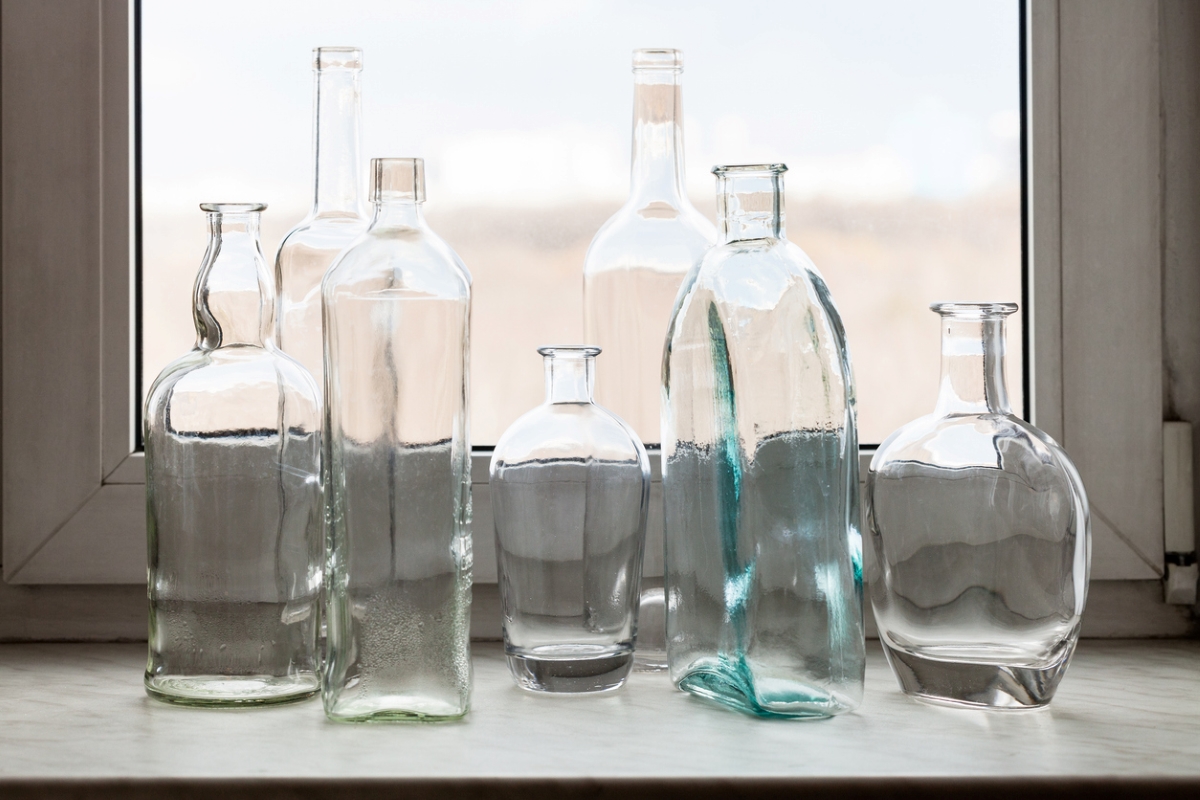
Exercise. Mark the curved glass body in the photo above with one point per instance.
(233, 496)
(337, 217)
(760, 472)
(631, 277)
(570, 488)
(397, 316)
(980, 534)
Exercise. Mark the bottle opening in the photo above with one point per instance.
(337, 58)
(569, 350)
(398, 179)
(738, 170)
(974, 310)
(658, 58)
(233, 208)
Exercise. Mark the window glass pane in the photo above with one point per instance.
(899, 124)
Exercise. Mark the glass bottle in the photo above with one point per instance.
(631, 276)
(233, 496)
(980, 533)
(397, 317)
(760, 472)
(570, 487)
(337, 217)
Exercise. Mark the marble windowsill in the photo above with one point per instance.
(75, 722)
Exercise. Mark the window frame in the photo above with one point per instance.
(73, 498)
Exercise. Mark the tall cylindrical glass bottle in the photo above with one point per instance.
(233, 493)
(760, 472)
(631, 276)
(397, 321)
(337, 217)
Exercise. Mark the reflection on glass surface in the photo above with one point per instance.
(979, 527)
(899, 122)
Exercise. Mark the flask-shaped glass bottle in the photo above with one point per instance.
(570, 486)
(631, 276)
(397, 316)
(980, 531)
(337, 217)
(233, 496)
(760, 472)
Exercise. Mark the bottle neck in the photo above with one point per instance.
(750, 206)
(391, 213)
(973, 352)
(656, 176)
(337, 136)
(570, 377)
(233, 301)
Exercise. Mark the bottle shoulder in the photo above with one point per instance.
(568, 431)
(666, 240)
(399, 259)
(323, 232)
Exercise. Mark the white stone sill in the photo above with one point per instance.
(75, 722)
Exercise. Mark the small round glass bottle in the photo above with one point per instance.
(760, 472)
(397, 322)
(631, 276)
(233, 493)
(570, 484)
(980, 533)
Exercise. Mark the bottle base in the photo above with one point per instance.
(650, 662)
(961, 684)
(231, 690)
(392, 709)
(601, 673)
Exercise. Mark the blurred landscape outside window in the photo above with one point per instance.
(899, 124)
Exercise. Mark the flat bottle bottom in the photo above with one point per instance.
(395, 709)
(964, 684)
(570, 675)
(731, 687)
(650, 661)
(231, 690)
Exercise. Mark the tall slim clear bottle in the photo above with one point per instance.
(631, 276)
(397, 322)
(233, 496)
(760, 472)
(337, 217)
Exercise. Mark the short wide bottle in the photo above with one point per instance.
(979, 526)
(760, 472)
(233, 494)
(570, 486)
(397, 315)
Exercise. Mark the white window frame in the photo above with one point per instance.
(73, 498)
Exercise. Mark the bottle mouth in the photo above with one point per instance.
(233, 208)
(737, 170)
(569, 350)
(398, 180)
(337, 58)
(974, 310)
(658, 58)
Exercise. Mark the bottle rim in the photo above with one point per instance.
(657, 58)
(324, 58)
(722, 170)
(570, 350)
(974, 310)
(233, 208)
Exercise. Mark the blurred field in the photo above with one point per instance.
(884, 262)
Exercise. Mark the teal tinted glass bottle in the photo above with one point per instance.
(760, 472)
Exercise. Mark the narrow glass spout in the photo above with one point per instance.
(570, 373)
(337, 130)
(656, 176)
(233, 299)
(973, 357)
(750, 202)
(398, 192)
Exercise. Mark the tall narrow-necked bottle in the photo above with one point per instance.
(337, 217)
(397, 321)
(760, 472)
(631, 276)
(233, 499)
